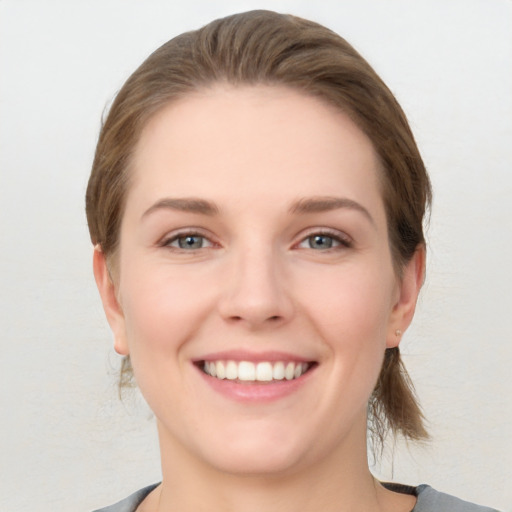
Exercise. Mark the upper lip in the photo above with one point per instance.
(255, 357)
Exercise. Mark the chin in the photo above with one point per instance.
(254, 454)
(258, 462)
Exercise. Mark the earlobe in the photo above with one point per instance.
(409, 289)
(111, 306)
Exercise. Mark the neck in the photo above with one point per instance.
(340, 481)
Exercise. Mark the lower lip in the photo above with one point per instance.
(255, 391)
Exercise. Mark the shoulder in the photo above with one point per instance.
(130, 503)
(430, 500)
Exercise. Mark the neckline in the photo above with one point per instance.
(401, 488)
(392, 486)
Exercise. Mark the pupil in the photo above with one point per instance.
(321, 242)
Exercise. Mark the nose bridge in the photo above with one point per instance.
(255, 290)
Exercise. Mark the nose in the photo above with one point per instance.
(255, 292)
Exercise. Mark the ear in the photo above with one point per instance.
(409, 288)
(111, 305)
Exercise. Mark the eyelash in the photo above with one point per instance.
(340, 240)
(168, 241)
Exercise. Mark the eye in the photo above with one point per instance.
(320, 242)
(324, 241)
(187, 242)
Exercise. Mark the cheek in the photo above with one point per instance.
(355, 300)
(162, 310)
(351, 311)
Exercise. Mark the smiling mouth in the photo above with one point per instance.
(247, 371)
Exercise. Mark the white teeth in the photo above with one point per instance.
(246, 371)
(220, 369)
(250, 372)
(289, 372)
(231, 370)
(264, 371)
(278, 371)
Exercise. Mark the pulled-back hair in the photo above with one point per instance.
(263, 47)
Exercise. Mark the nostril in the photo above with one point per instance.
(235, 318)
(271, 319)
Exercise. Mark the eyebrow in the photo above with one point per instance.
(188, 204)
(302, 206)
(327, 203)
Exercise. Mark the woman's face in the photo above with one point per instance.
(255, 290)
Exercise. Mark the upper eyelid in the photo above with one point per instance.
(189, 231)
(315, 230)
(334, 233)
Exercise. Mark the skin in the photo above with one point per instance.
(259, 283)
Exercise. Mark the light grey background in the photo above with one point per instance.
(66, 442)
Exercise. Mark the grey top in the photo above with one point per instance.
(429, 500)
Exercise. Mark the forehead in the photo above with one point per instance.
(247, 141)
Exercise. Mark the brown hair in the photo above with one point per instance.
(263, 47)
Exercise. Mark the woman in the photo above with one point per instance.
(256, 206)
